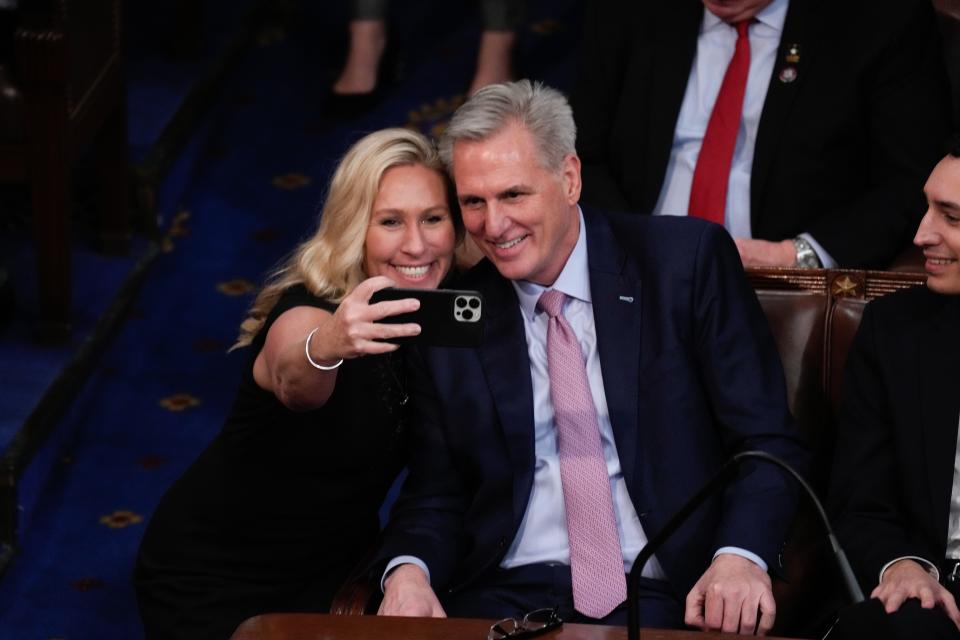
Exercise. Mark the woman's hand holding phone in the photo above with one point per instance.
(355, 329)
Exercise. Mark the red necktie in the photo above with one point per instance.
(596, 560)
(708, 193)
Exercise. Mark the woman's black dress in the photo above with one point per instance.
(279, 508)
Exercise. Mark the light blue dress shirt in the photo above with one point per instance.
(715, 47)
(543, 532)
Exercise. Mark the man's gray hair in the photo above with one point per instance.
(541, 110)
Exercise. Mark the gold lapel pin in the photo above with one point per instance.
(793, 53)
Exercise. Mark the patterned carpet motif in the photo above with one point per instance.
(160, 393)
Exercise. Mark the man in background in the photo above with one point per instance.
(806, 127)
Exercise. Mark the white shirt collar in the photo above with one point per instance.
(574, 279)
(773, 15)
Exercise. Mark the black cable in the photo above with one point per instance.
(726, 472)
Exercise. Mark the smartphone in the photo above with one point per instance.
(447, 317)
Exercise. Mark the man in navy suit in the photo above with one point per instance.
(682, 372)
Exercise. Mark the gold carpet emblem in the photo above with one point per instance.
(87, 584)
(432, 118)
(291, 181)
(178, 226)
(121, 519)
(179, 402)
(236, 287)
(546, 27)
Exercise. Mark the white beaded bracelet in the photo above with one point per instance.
(306, 349)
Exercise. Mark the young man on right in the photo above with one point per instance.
(896, 479)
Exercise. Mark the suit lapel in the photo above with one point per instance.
(939, 352)
(615, 289)
(797, 32)
(506, 366)
(677, 28)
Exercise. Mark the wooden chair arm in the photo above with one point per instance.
(352, 599)
(360, 593)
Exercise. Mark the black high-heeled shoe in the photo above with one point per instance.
(347, 105)
(389, 74)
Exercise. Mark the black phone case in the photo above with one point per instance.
(447, 317)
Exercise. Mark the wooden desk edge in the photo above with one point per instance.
(319, 626)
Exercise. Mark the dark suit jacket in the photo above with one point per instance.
(893, 469)
(690, 372)
(842, 152)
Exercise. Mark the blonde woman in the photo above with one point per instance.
(278, 509)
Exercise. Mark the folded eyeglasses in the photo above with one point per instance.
(531, 625)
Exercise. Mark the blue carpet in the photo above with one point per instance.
(157, 84)
(26, 367)
(259, 164)
(158, 76)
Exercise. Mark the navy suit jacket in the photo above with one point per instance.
(842, 152)
(897, 435)
(691, 375)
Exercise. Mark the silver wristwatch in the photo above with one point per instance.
(807, 258)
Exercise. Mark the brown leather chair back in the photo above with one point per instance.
(842, 326)
(797, 322)
(814, 316)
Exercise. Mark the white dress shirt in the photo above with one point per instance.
(953, 526)
(715, 47)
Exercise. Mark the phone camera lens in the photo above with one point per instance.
(467, 314)
(461, 303)
(474, 303)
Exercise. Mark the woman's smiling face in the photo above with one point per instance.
(411, 236)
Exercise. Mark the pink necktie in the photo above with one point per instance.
(596, 561)
(711, 176)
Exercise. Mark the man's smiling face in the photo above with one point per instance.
(939, 232)
(522, 215)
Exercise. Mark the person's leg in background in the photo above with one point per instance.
(368, 40)
(501, 20)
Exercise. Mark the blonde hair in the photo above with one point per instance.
(330, 263)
